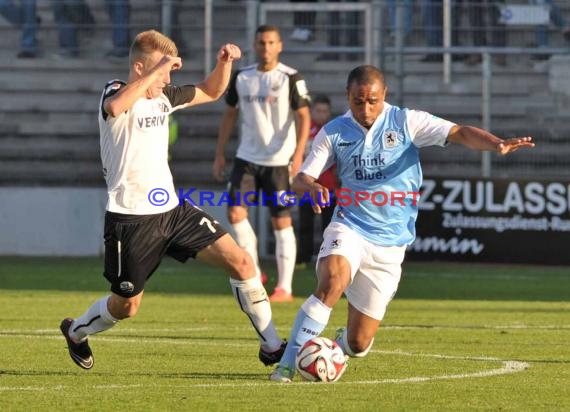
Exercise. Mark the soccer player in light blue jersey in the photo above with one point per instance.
(375, 146)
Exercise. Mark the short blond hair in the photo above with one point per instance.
(150, 41)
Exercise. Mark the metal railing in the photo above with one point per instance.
(374, 43)
(364, 9)
(380, 38)
(381, 41)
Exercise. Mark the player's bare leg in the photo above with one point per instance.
(358, 337)
(100, 316)
(248, 291)
(334, 277)
(226, 254)
(122, 308)
(245, 236)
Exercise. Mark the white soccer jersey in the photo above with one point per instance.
(134, 151)
(267, 101)
(382, 165)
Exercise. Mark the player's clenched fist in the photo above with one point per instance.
(229, 52)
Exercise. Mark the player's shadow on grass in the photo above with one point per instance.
(201, 377)
(188, 338)
(71, 372)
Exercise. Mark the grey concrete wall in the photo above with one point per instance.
(51, 221)
(59, 221)
(559, 79)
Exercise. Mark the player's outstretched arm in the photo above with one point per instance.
(124, 99)
(303, 183)
(212, 88)
(224, 132)
(479, 139)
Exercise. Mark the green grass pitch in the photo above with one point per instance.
(455, 338)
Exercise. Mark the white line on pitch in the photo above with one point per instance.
(508, 367)
(15, 332)
(177, 341)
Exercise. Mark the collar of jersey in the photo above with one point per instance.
(368, 134)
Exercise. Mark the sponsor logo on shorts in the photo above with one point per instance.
(126, 287)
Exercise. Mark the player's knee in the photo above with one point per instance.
(245, 267)
(236, 214)
(130, 310)
(333, 285)
(241, 265)
(125, 309)
(360, 346)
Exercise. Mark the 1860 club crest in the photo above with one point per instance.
(391, 139)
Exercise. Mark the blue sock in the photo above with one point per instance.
(311, 320)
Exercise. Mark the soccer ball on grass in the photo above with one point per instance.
(321, 360)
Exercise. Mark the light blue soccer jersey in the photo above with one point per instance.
(379, 170)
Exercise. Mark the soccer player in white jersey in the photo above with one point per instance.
(142, 225)
(273, 102)
(375, 147)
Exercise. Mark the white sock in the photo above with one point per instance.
(310, 321)
(343, 343)
(285, 254)
(96, 319)
(247, 240)
(252, 299)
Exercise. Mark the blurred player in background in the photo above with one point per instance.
(375, 147)
(142, 225)
(321, 113)
(23, 15)
(273, 101)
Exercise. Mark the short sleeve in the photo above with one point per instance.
(426, 129)
(232, 97)
(298, 92)
(321, 156)
(111, 88)
(180, 96)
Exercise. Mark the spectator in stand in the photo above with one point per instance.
(348, 36)
(342, 31)
(408, 16)
(175, 26)
(484, 22)
(72, 15)
(304, 22)
(557, 19)
(23, 16)
(432, 15)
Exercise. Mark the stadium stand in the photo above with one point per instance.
(48, 123)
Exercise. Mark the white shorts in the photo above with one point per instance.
(375, 270)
